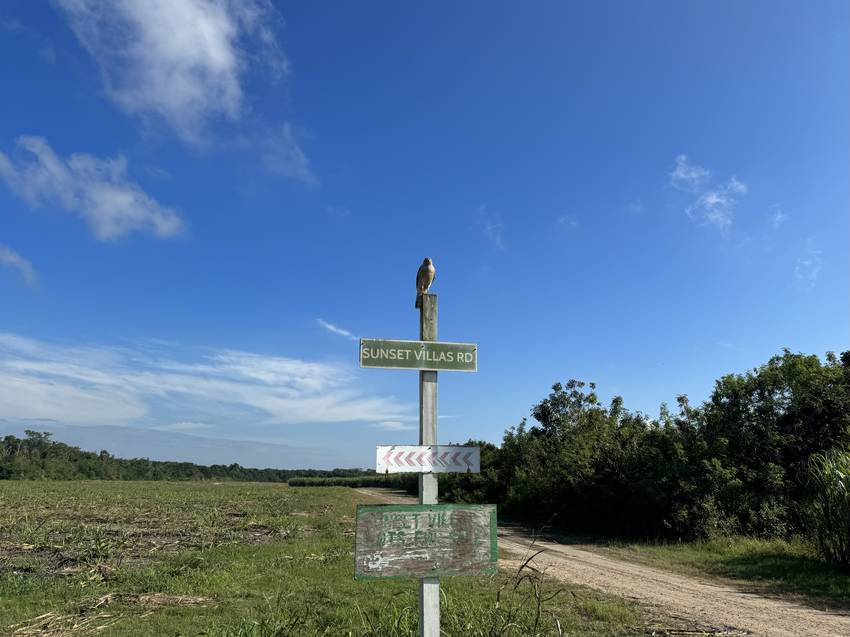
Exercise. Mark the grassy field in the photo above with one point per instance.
(788, 569)
(158, 558)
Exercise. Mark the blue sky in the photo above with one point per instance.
(203, 203)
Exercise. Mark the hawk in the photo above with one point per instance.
(424, 278)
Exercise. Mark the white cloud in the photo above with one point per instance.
(336, 329)
(394, 425)
(181, 60)
(491, 226)
(687, 176)
(714, 205)
(808, 266)
(98, 190)
(283, 156)
(104, 385)
(14, 260)
(777, 217)
(185, 425)
(157, 173)
(567, 220)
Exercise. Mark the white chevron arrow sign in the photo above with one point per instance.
(428, 459)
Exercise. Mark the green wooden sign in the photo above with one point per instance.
(424, 355)
(425, 540)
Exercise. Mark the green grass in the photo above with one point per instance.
(258, 560)
(785, 568)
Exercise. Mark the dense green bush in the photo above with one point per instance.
(736, 464)
(830, 475)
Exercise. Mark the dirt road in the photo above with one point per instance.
(720, 608)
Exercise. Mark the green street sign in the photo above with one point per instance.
(425, 540)
(423, 355)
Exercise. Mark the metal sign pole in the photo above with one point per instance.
(429, 587)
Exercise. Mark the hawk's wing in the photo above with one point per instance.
(422, 278)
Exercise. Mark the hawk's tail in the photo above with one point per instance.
(418, 303)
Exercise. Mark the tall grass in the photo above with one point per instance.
(527, 603)
(830, 475)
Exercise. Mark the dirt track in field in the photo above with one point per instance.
(721, 608)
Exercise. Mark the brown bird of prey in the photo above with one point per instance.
(424, 278)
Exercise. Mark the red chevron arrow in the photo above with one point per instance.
(408, 458)
(443, 457)
(398, 458)
(466, 458)
(432, 455)
(419, 458)
(455, 457)
(388, 456)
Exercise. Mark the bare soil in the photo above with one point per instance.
(730, 608)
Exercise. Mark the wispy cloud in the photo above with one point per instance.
(185, 425)
(808, 267)
(98, 190)
(777, 217)
(14, 260)
(492, 227)
(394, 425)
(183, 61)
(335, 329)
(107, 385)
(48, 54)
(714, 205)
(567, 220)
(689, 177)
(634, 207)
(282, 155)
(157, 173)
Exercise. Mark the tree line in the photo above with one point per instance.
(37, 457)
(762, 456)
(404, 481)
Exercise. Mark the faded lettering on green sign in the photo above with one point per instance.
(426, 355)
(425, 540)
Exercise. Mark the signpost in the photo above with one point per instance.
(427, 540)
(419, 540)
(450, 357)
(424, 459)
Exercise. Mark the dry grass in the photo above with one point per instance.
(90, 616)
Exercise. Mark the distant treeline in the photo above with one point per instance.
(767, 454)
(37, 457)
(405, 481)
